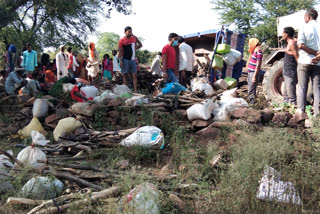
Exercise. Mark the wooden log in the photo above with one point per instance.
(83, 147)
(26, 201)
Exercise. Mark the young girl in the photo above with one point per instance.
(107, 66)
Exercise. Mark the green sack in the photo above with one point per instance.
(223, 49)
(231, 82)
(217, 62)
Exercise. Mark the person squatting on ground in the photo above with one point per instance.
(127, 56)
(15, 82)
(308, 63)
(254, 66)
(169, 59)
(290, 66)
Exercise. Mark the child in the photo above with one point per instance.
(107, 67)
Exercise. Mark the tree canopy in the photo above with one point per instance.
(107, 42)
(46, 23)
(258, 17)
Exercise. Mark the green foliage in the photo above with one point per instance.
(145, 56)
(106, 43)
(258, 18)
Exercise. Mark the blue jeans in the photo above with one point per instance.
(171, 76)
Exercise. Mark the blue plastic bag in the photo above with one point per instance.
(173, 88)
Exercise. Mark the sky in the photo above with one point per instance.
(153, 20)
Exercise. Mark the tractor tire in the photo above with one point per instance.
(272, 83)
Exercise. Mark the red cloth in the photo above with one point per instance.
(108, 65)
(127, 41)
(171, 56)
(76, 98)
(70, 60)
(50, 77)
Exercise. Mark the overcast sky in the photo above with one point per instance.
(155, 19)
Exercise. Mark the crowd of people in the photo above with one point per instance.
(301, 64)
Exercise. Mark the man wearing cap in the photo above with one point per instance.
(62, 62)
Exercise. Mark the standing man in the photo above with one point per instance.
(70, 65)
(308, 65)
(62, 62)
(156, 64)
(186, 61)
(169, 58)
(116, 66)
(254, 66)
(29, 59)
(127, 55)
(290, 65)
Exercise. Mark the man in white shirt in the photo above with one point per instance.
(309, 47)
(75, 64)
(186, 61)
(62, 62)
(156, 64)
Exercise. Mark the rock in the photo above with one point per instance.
(201, 123)
(209, 133)
(239, 113)
(122, 164)
(281, 118)
(52, 121)
(114, 114)
(308, 123)
(22, 98)
(63, 113)
(253, 116)
(114, 103)
(267, 116)
(241, 123)
(296, 122)
(177, 201)
(86, 109)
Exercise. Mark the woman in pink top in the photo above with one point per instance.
(107, 67)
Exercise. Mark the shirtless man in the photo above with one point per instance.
(290, 65)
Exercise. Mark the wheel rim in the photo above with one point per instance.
(277, 84)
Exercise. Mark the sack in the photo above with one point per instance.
(229, 59)
(34, 125)
(201, 85)
(220, 84)
(227, 95)
(67, 87)
(66, 125)
(143, 199)
(217, 62)
(200, 111)
(42, 188)
(86, 109)
(173, 88)
(221, 114)
(223, 49)
(234, 103)
(145, 136)
(236, 54)
(272, 189)
(121, 89)
(137, 101)
(89, 91)
(40, 108)
(231, 82)
(107, 95)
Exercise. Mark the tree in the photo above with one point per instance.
(107, 42)
(258, 18)
(48, 23)
(145, 56)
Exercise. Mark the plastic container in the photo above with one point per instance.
(231, 82)
(223, 49)
(217, 62)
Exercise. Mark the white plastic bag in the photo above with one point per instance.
(67, 87)
(227, 95)
(143, 199)
(220, 84)
(236, 54)
(222, 114)
(202, 84)
(42, 188)
(137, 100)
(201, 111)
(121, 89)
(145, 136)
(39, 139)
(235, 103)
(89, 91)
(229, 59)
(272, 189)
(64, 126)
(106, 95)
(40, 108)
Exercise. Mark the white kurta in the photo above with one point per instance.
(186, 59)
(62, 62)
(93, 64)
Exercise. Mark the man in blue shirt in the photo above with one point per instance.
(14, 82)
(29, 59)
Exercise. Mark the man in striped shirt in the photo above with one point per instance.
(254, 66)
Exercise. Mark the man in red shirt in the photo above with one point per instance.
(70, 66)
(169, 59)
(127, 56)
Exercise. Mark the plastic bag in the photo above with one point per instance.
(40, 108)
(143, 199)
(220, 84)
(236, 54)
(229, 59)
(202, 85)
(30, 157)
(235, 103)
(173, 88)
(223, 49)
(64, 126)
(107, 95)
(200, 111)
(39, 139)
(42, 188)
(137, 100)
(145, 136)
(86, 109)
(67, 87)
(272, 189)
(231, 82)
(229, 94)
(221, 114)
(89, 91)
(34, 125)
(121, 89)
(217, 62)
